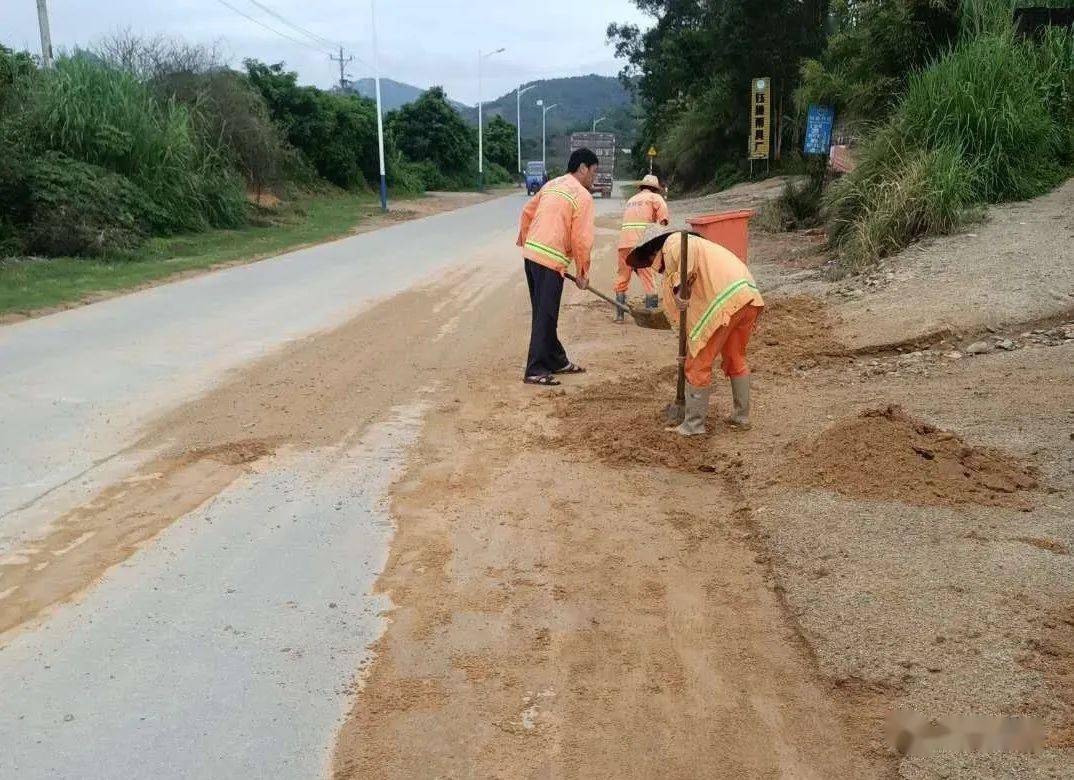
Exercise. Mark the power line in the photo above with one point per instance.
(302, 30)
(258, 22)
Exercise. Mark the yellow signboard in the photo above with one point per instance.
(760, 118)
(652, 151)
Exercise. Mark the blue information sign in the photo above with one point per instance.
(818, 136)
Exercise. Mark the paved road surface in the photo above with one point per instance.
(190, 660)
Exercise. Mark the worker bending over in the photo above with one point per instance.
(647, 207)
(556, 231)
(721, 302)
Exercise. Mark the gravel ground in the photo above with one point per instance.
(1013, 268)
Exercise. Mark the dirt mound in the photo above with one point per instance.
(794, 332)
(622, 423)
(886, 454)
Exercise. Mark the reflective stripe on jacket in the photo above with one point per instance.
(557, 226)
(642, 210)
(720, 285)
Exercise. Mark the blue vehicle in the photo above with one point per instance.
(536, 176)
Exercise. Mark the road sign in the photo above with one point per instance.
(760, 118)
(818, 135)
(652, 151)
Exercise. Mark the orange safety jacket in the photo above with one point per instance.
(720, 285)
(557, 226)
(644, 209)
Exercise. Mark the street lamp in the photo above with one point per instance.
(597, 122)
(380, 121)
(544, 116)
(519, 92)
(480, 126)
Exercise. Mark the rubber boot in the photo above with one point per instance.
(620, 315)
(740, 398)
(697, 408)
(652, 301)
(674, 414)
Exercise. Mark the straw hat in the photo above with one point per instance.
(654, 234)
(651, 182)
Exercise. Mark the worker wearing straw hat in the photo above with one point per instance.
(647, 207)
(720, 301)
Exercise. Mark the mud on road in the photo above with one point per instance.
(578, 594)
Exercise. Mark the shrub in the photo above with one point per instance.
(984, 99)
(982, 124)
(104, 117)
(228, 111)
(76, 208)
(337, 134)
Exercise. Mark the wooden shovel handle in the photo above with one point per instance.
(684, 293)
(599, 294)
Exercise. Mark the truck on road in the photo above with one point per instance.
(536, 176)
(603, 145)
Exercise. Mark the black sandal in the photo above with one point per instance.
(570, 368)
(543, 379)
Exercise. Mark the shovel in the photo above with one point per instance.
(675, 413)
(653, 319)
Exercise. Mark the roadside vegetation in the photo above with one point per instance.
(950, 108)
(137, 146)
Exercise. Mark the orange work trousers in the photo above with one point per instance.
(730, 343)
(622, 279)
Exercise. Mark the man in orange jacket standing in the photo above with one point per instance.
(720, 301)
(647, 207)
(557, 230)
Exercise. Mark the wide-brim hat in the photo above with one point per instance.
(654, 235)
(650, 181)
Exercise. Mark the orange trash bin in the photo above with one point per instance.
(729, 229)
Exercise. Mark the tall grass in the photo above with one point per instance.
(105, 117)
(989, 121)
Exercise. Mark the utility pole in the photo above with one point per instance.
(519, 92)
(480, 124)
(597, 122)
(544, 123)
(343, 63)
(46, 36)
(380, 121)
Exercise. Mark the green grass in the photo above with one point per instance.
(29, 284)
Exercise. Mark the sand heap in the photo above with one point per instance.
(886, 454)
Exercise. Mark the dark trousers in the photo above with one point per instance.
(546, 290)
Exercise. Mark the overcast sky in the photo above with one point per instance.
(422, 42)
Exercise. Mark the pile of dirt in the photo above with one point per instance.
(622, 423)
(794, 332)
(886, 454)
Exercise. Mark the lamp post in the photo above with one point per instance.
(480, 125)
(380, 121)
(544, 119)
(597, 122)
(519, 92)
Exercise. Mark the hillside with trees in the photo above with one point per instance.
(139, 138)
(951, 105)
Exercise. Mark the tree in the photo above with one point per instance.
(693, 68)
(501, 143)
(430, 130)
(874, 46)
(336, 133)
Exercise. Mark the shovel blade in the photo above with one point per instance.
(654, 319)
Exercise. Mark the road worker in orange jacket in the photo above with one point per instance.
(721, 303)
(556, 232)
(647, 207)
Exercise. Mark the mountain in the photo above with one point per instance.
(394, 94)
(578, 100)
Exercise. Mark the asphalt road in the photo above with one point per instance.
(225, 648)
